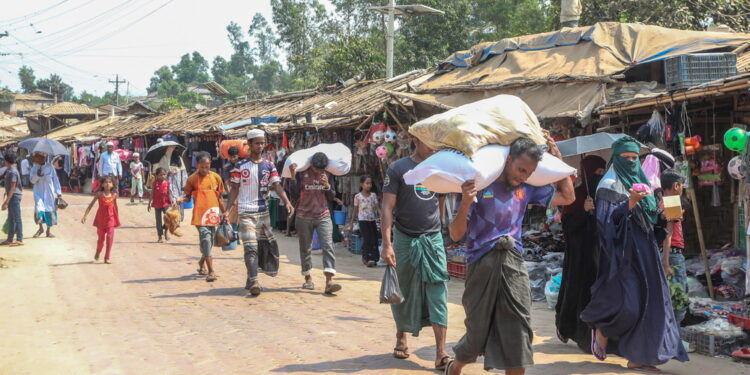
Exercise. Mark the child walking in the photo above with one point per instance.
(366, 212)
(160, 201)
(107, 218)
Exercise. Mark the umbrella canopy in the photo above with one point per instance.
(599, 144)
(157, 151)
(43, 145)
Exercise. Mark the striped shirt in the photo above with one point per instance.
(253, 178)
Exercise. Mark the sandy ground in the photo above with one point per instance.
(149, 313)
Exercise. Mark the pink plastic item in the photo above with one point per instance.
(641, 188)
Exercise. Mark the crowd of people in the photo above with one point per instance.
(614, 300)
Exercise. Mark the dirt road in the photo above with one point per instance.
(148, 313)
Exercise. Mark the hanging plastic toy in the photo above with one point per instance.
(389, 147)
(737, 169)
(693, 145)
(736, 139)
(381, 152)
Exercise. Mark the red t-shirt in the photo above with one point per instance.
(677, 239)
(161, 194)
(313, 198)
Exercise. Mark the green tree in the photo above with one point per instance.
(56, 86)
(191, 69)
(27, 78)
(241, 61)
(163, 74)
(265, 40)
(298, 24)
(679, 14)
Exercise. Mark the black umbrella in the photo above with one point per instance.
(43, 145)
(157, 151)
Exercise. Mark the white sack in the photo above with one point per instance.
(339, 159)
(498, 120)
(445, 171)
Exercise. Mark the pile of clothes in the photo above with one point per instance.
(537, 244)
(727, 269)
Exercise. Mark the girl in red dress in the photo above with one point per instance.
(107, 218)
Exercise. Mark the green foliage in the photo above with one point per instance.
(169, 104)
(27, 78)
(56, 86)
(191, 69)
(679, 14)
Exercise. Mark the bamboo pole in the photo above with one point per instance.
(701, 241)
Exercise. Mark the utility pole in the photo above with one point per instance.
(117, 83)
(393, 10)
(389, 41)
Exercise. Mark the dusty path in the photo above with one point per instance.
(148, 313)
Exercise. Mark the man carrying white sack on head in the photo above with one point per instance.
(497, 296)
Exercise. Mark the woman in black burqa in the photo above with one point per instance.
(579, 267)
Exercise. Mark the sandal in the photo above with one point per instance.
(598, 352)
(50, 235)
(211, 277)
(308, 285)
(403, 351)
(38, 233)
(448, 367)
(332, 288)
(255, 289)
(202, 271)
(443, 363)
(107, 261)
(16, 243)
(6, 243)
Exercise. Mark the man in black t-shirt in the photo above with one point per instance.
(416, 250)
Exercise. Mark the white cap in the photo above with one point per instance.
(255, 133)
(135, 154)
(109, 143)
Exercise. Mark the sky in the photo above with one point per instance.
(88, 42)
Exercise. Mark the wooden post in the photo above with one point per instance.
(701, 242)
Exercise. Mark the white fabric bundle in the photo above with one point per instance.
(445, 171)
(339, 159)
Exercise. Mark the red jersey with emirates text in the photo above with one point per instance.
(253, 178)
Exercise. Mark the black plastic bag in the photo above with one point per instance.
(61, 204)
(224, 234)
(390, 292)
(268, 254)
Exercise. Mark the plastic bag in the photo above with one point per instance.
(390, 292)
(499, 120)
(695, 288)
(61, 204)
(339, 159)
(537, 279)
(732, 265)
(445, 171)
(268, 255)
(652, 170)
(552, 290)
(224, 234)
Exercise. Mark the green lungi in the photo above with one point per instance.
(422, 271)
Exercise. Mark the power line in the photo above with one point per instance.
(52, 16)
(50, 57)
(115, 32)
(23, 18)
(59, 34)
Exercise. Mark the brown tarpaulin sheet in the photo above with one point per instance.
(600, 50)
(575, 99)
